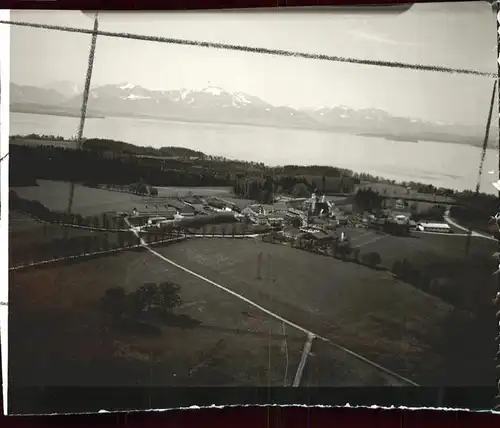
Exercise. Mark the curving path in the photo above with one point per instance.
(453, 223)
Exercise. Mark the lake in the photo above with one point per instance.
(441, 164)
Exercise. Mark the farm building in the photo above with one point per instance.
(341, 219)
(295, 203)
(294, 213)
(434, 227)
(154, 210)
(318, 235)
(291, 233)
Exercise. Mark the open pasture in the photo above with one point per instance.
(212, 338)
(365, 310)
(89, 201)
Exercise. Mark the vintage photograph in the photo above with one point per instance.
(253, 200)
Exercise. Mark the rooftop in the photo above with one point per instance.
(437, 225)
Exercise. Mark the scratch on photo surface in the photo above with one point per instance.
(303, 360)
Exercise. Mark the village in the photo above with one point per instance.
(320, 223)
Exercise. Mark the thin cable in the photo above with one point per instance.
(264, 51)
(496, 7)
(88, 79)
(483, 155)
(486, 138)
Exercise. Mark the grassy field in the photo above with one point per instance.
(54, 316)
(26, 236)
(398, 190)
(89, 201)
(365, 310)
(38, 142)
(466, 264)
(32, 241)
(198, 191)
(58, 335)
(86, 201)
(423, 247)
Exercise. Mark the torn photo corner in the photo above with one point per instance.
(242, 208)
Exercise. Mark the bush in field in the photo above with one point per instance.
(342, 250)
(356, 255)
(425, 282)
(164, 296)
(78, 219)
(146, 296)
(397, 268)
(167, 296)
(402, 269)
(372, 259)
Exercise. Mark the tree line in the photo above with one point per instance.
(85, 166)
(436, 278)
(115, 162)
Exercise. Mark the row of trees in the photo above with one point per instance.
(43, 137)
(260, 189)
(64, 243)
(102, 145)
(333, 248)
(263, 188)
(56, 163)
(434, 213)
(368, 200)
(446, 287)
(125, 167)
(371, 201)
(69, 244)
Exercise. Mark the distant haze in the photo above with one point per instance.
(461, 35)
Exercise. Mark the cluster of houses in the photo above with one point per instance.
(314, 218)
(272, 216)
(402, 224)
(308, 233)
(300, 212)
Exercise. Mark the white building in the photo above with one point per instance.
(434, 227)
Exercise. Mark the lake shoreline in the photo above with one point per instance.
(430, 163)
(327, 130)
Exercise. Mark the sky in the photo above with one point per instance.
(460, 35)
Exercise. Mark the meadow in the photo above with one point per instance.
(55, 310)
(365, 310)
(90, 201)
(213, 338)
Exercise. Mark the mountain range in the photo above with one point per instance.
(216, 105)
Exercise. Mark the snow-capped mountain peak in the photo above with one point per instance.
(135, 97)
(214, 104)
(213, 91)
(127, 86)
(242, 98)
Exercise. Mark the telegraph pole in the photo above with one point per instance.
(259, 265)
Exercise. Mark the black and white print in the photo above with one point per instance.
(228, 214)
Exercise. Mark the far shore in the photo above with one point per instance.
(343, 130)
